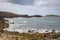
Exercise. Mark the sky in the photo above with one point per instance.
(31, 7)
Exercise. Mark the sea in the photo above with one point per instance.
(39, 24)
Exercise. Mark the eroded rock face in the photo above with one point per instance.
(3, 23)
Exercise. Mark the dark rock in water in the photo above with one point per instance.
(12, 23)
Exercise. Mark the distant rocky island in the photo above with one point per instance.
(12, 15)
(52, 16)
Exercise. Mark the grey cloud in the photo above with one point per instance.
(4, 0)
(23, 2)
(50, 3)
(53, 3)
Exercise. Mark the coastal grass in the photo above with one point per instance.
(8, 35)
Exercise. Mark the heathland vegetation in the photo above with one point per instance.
(8, 35)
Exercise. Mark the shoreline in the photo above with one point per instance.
(30, 35)
(33, 30)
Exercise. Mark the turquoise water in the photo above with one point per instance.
(40, 24)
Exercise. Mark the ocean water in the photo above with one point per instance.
(40, 24)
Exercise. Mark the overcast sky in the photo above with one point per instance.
(31, 7)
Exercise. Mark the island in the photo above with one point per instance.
(52, 15)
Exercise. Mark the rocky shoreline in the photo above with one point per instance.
(3, 23)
